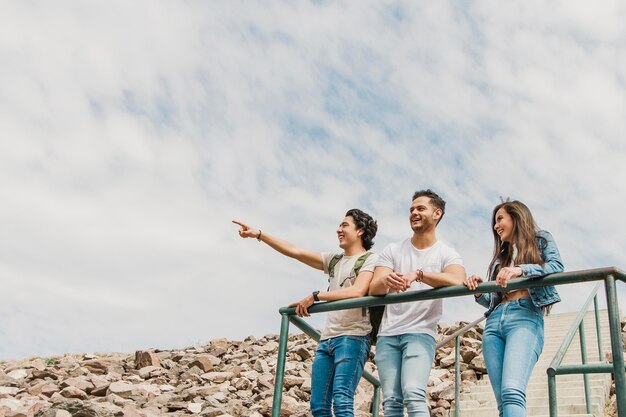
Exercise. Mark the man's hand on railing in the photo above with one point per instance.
(397, 282)
(303, 305)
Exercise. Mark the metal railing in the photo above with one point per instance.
(457, 363)
(608, 275)
(585, 368)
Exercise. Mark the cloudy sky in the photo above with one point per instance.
(131, 133)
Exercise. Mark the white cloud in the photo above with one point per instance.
(131, 134)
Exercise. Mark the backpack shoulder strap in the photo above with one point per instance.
(359, 263)
(332, 263)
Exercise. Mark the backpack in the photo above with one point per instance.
(376, 312)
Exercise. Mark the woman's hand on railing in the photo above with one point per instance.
(506, 274)
(472, 282)
(303, 305)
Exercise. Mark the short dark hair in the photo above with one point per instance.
(364, 221)
(435, 200)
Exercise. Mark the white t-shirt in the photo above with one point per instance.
(347, 322)
(416, 316)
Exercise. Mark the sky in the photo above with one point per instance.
(132, 133)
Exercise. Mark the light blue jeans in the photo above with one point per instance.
(337, 369)
(512, 343)
(404, 364)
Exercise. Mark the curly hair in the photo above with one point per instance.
(364, 221)
(436, 201)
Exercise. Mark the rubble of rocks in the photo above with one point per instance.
(224, 378)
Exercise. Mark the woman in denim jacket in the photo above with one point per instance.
(513, 336)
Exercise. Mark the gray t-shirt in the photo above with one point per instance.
(417, 316)
(353, 322)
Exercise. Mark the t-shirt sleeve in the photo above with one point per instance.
(326, 257)
(452, 257)
(370, 263)
(386, 257)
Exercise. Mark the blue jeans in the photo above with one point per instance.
(512, 343)
(337, 369)
(404, 364)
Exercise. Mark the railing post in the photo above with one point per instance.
(552, 393)
(376, 402)
(280, 365)
(457, 376)
(598, 331)
(583, 356)
(617, 348)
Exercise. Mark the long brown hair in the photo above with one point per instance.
(522, 236)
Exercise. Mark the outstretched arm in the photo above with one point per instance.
(313, 259)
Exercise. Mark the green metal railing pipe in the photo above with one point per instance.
(560, 354)
(561, 278)
(598, 330)
(280, 365)
(457, 377)
(569, 336)
(583, 357)
(590, 368)
(552, 395)
(616, 344)
(459, 332)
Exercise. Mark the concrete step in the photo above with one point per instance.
(568, 391)
(579, 408)
(532, 401)
(560, 379)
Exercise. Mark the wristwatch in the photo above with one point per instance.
(315, 295)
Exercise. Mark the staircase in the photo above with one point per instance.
(480, 401)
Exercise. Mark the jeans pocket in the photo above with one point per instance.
(360, 339)
(526, 304)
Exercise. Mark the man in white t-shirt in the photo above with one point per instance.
(345, 341)
(405, 348)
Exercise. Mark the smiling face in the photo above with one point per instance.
(347, 233)
(503, 225)
(423, 215)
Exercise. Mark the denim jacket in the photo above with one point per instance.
(540, 296)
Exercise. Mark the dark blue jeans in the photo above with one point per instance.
(337, 369)
(512, 343)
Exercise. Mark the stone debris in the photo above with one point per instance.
(223, 378)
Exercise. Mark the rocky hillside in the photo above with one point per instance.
(223, 378)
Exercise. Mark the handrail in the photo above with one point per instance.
(609, 274)
(569, 336)
(561, 278)
(577, 325)
(457, 352)
(461, 331)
